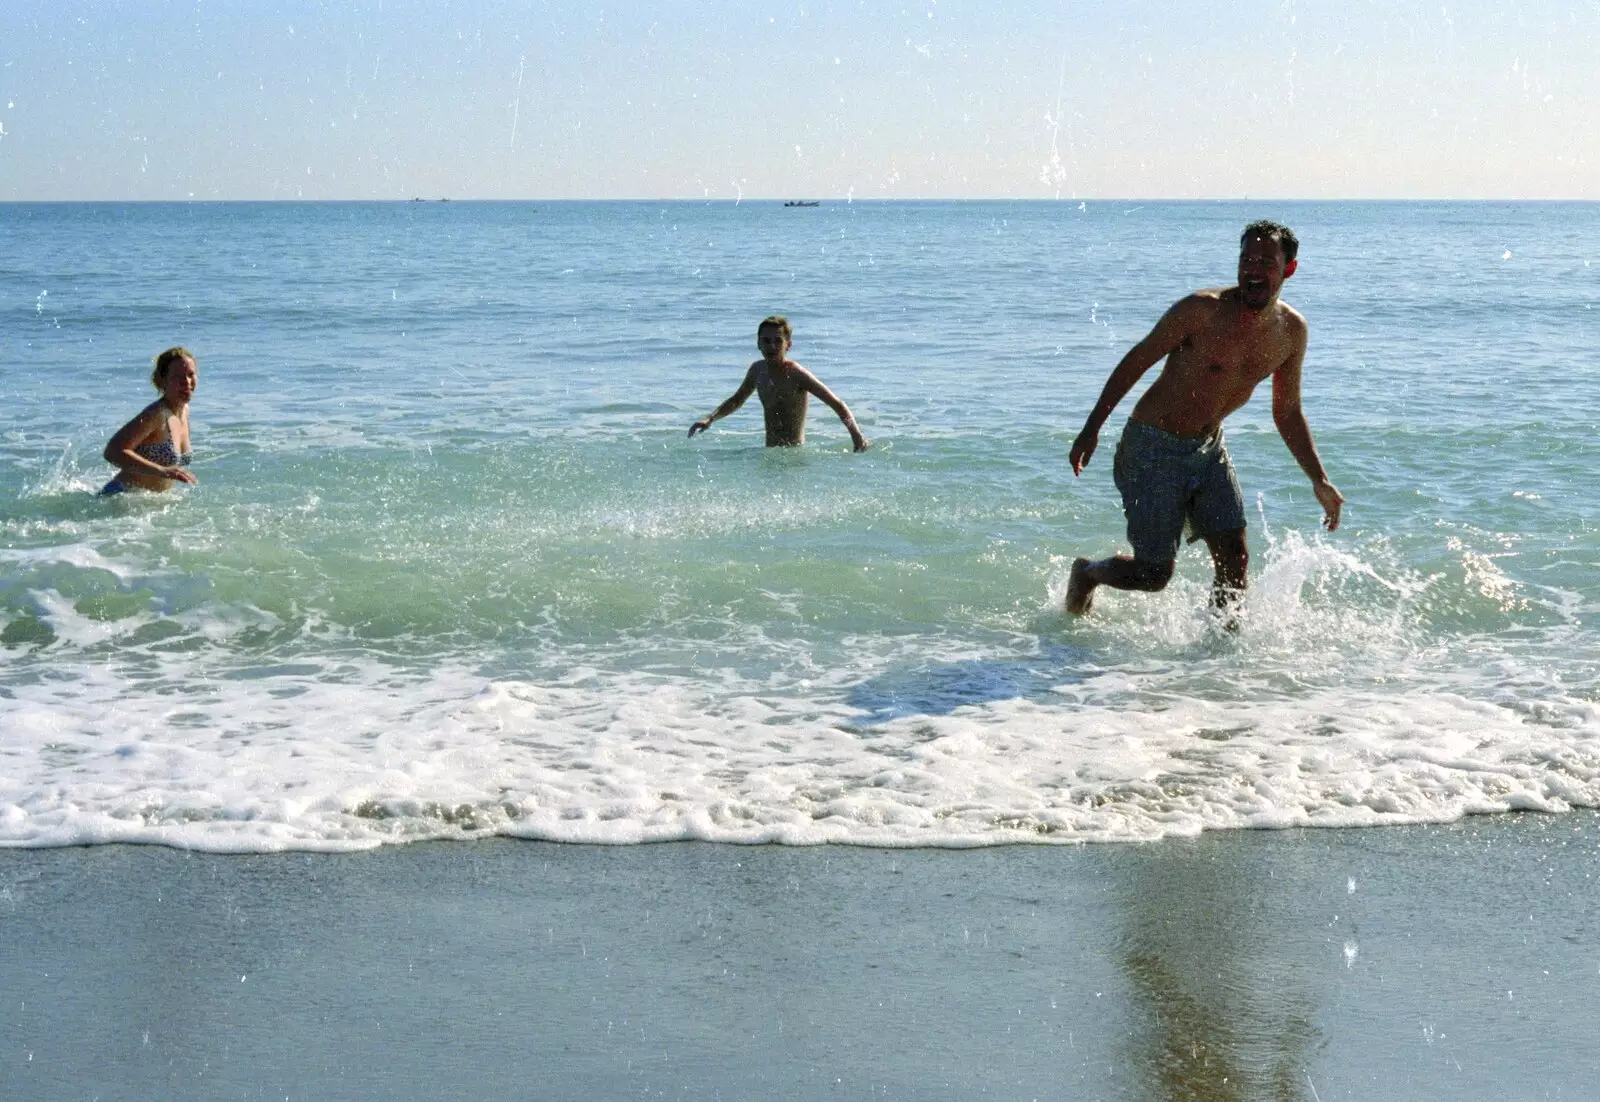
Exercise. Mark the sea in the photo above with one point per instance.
(453, 568)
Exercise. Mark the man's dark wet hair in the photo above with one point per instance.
(778, 322)
(1272, 231)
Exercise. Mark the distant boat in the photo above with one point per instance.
(803, 203)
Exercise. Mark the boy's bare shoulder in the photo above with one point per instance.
(790, 372)
(799, 372)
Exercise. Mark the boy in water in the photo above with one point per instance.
(785, 388)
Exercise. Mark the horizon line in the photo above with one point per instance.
(839, 200)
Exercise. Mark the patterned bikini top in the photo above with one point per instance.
(163, 453)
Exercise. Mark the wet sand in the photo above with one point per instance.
(1416, 962)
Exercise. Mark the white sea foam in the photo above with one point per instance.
(80, 556)
(354, 753)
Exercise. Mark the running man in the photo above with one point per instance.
(1171, 465)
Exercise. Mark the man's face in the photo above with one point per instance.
(1262, 271)
(771, 341)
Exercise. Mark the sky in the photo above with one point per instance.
(725, 99)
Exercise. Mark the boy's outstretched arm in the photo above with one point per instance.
(734, 401)
(833, 402)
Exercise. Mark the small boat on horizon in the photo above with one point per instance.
(802, 203)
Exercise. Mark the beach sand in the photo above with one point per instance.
(1457, 962)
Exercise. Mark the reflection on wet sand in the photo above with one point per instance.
(1224, 1013)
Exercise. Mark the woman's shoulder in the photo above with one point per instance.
(152, 418)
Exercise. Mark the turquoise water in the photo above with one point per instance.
(453, 568)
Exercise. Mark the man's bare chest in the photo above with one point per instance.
(1226, 358)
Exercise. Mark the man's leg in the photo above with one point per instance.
(1153, 493)
(1119, 572)
(1231, 558)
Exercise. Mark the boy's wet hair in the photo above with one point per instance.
(164, 362)
(778, 322)
(1272, 231)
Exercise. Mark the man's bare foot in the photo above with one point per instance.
(1080, 590)
(1225, 607)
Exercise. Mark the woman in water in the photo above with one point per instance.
(152, 450)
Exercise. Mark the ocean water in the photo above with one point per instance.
(453, 569)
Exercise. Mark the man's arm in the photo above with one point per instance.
(1296, 433)
(833, 402)
(733, 402)
(1168, 334)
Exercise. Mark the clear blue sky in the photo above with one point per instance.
(957, 98)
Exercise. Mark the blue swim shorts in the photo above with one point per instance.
(1171, 484)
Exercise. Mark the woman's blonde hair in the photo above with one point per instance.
(164, 362)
